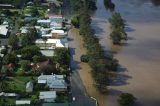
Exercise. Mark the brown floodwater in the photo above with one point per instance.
(139, 58)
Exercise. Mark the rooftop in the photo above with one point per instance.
(55, 104)
(47, 94)
(3, 29)
(22, 102)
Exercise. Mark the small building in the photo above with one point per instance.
(48, 96)
(3, 30)
(54, 82)
(56, 22)
(23, 102)
(56, 34)
(8, 94)
(6, 6)
(44, 23)
(29, 87)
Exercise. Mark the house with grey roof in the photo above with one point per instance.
(47, 96)
(29, 87)
(54, 82)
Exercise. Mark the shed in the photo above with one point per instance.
(29, 87)
(23, 102)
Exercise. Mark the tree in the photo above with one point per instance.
(75, 21)
(84, 58)
(28, 38)
(116, 37)
(109, 4)
(45, 40)
(126, 99)
(37, 59)
(29, 51)
(25, 65)
(48, 69)
(117, 24)
(116, 21)
(62, 56)
(10, 58)
(3, 85)
(34, 11)
(13, 41)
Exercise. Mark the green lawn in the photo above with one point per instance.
(19, 83)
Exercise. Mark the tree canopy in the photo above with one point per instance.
(126, 99)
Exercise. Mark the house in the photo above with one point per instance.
(48, 96)
(29, 87)
(6, 6)
(54, 82)
(4, 30)
(23, 102)
(51, 43)
(8, 94)
(24, 30)
(44, 23)
(56, 22)
(55, 33)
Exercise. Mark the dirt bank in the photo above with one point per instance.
(84, 69)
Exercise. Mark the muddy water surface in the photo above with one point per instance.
(139, 58)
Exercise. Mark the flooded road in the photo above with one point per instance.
(139, 59)
(84, 70)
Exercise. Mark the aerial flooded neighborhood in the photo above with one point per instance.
(79, 52)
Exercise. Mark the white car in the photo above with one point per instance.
(74, 99)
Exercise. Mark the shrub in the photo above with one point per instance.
(4, 51)
(126, 99)
(84, 58)
(75, 21)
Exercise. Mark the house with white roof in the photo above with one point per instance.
(51, 43)
(23, 102)
(54, 82)
(47, 96)
(47, 46)
(54, 33)
(8, 94)
(4, 30)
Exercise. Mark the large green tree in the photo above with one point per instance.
(13, 41)
(29, 51)
(117, 24)
(62, 56)
(10, 58)
(25, 64)
(126, 99)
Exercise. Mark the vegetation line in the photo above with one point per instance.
(100, 63)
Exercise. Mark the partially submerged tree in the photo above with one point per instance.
(117, 25)
(126, 99)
